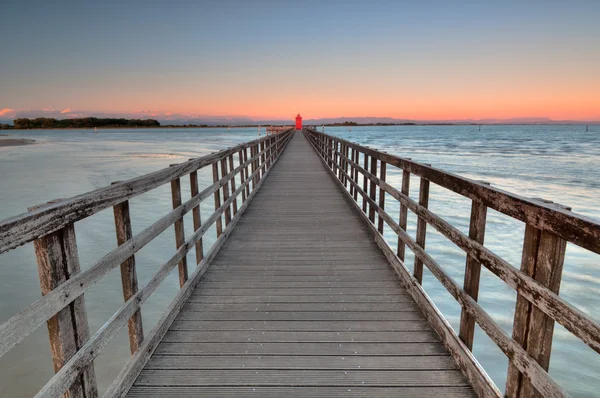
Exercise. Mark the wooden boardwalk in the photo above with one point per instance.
(300, 301)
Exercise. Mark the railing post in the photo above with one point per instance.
(179, 230)
(196, 216)
(353, 151)
(128, 273)
(262, 160)
(58, 261)
(382, 172)
(254, 166)
(242, 175)
(235, 205)
(346, 154)
(356, 154)
(366, 168)
(421, 228)
(473, 270)
(542, 259)
(403, 220)
(217, 195)
(372, 192)
(330, 152)
(224, 172)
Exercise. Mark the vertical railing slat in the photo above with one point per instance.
(542, 259)
(403, 218)
(421, 228)
(179, 230)
(217, 195)
(235, 204)
(129, 280)
(372, 189)
(242, 176)
(224, 172)
(68, 330)
(196, 216)
(382, 176)
(472, 271)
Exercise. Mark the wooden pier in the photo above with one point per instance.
(301, 295)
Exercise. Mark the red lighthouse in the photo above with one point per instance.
(298, 122)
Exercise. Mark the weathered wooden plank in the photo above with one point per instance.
(128, 274)
(284, 377)
(397, 298)
(217, 196)
(352, 348)
(262, 284)
(257, 336)
(291, 292)
(373, 326)
(299, 391)
(224, 171)
(298, 316)
(430, 362)
(304, 307)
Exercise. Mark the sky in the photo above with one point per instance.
(263, 59)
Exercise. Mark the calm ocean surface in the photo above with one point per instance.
(560, 163)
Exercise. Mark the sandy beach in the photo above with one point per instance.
(15, 142)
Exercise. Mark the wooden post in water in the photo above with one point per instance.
(58, 261)
(421, 228)
(235, 205)
(179, 230)
(473, 270)
(128, 273)
(543, 258)
(403, 220)
(217, 195)
(196, 216)
(372, 192)
(382, 172)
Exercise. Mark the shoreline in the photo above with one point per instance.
(15, 142)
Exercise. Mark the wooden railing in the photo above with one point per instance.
(362, 172)
(62, 307)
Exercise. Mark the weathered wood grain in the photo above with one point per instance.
(196, 215)
(58, 261)
(472, 271)
(179, 229)
(129, 280)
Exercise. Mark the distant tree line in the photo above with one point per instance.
(86, 122)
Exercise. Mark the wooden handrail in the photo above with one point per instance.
(72, 357)
(575, 228)
(24, 228)
(528, 361)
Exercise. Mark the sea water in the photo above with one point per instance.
(559, 163)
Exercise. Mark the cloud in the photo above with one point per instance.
(7, 112)
(68, 110)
